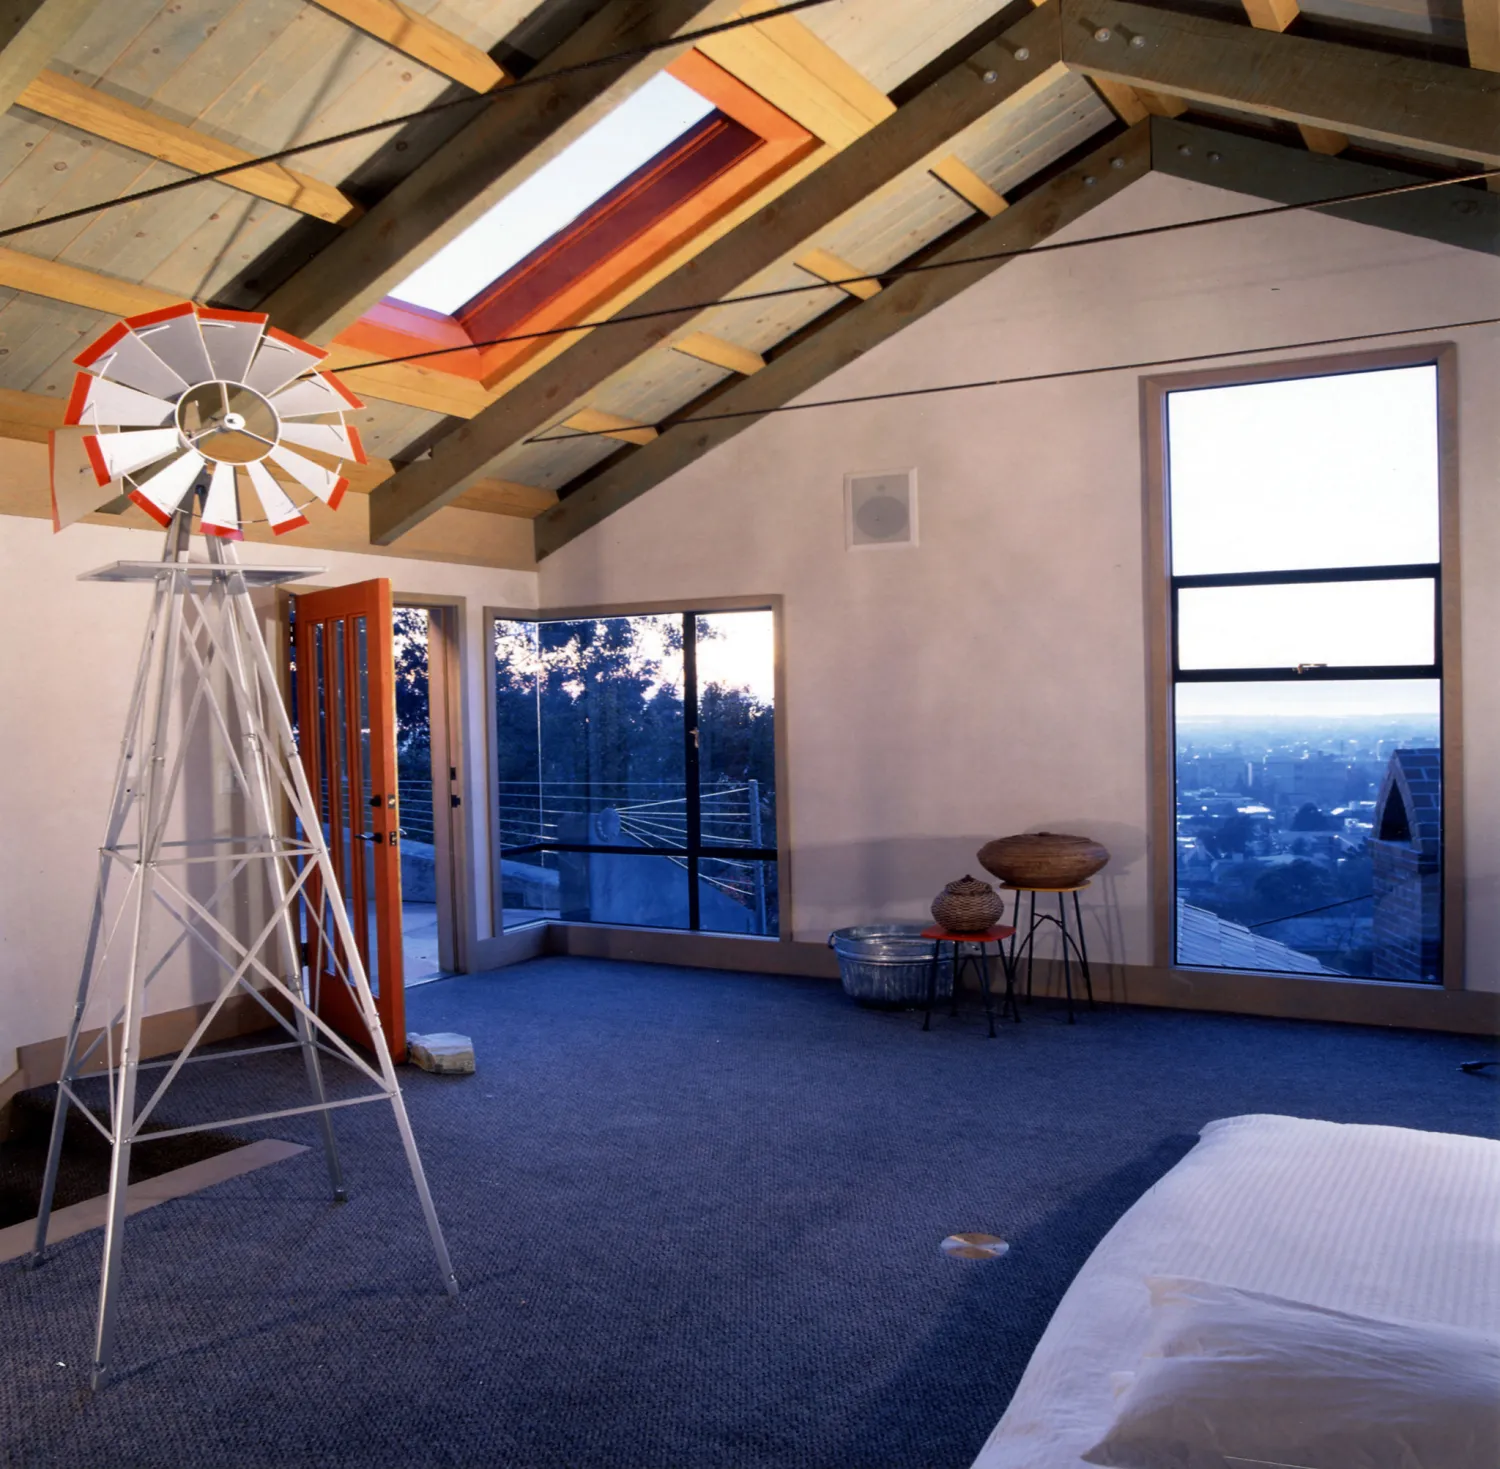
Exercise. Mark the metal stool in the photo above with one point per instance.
(1076, 940)
(996, 936)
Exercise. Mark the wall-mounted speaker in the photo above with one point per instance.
(880, 509)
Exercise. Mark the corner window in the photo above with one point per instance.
(1304, 624)
(636, 772)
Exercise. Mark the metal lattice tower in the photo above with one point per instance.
(205, 671)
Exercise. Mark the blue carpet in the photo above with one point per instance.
(695, 1217)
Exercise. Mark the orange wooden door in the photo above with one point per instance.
(346, 716)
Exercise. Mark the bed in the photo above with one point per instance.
(1377, 1221)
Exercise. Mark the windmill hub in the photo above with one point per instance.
(227, 422)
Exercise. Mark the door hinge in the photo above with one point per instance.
(455, 802)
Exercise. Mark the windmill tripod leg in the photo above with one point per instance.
(280, 739)
(120, 807)
(259, 753)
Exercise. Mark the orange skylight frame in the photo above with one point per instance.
(394, 328)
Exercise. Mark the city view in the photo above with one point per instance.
(1275, 817)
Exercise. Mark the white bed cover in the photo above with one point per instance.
(1379, 1221)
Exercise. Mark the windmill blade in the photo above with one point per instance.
(117, 454)
(328, 486)
(76, 490)
(100, 401)
(232, 338)
(122, 357)
(280, 512)
(337, 439)
(280, 358)
(314, 395)
(172, 333)
(221, 510)
(160, 495)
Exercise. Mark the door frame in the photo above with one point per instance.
(446, 702)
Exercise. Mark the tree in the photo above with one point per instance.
(1291, 888)
(1310, 818)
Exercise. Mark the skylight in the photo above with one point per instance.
(586, 170)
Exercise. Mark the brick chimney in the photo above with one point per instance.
(1406, 868)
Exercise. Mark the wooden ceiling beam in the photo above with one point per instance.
(1468, 219)
(1362, 93)
(968, 185)
(1034, 218)
(54, 281)
(92, 111)
(422, 39)
(838, 272)
(1482, 33)
(506, 497)
(513, 135)
(32, 32)
(1277, 15)
(801, 75)
(918, 134)
(719, 353)
(610, 426)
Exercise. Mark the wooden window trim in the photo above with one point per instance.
(395, 328)
(1162, 824)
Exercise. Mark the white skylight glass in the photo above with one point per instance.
(556, 194)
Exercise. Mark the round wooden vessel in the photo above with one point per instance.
(1043, 859)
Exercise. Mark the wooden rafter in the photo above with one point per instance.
(423, 40)
(1464, 218)
(1347, 89)
(1034, 218)
(838, 272)
(611, 426)
(96, 112)
(795, 71)
(1277, 15)
(1482, 33)
(1247, 165)
(510, 139)
(54, 281)
(719, 353)
(968, 185)
(32, 32)
(915, 136)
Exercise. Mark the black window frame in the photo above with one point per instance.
(694, 851)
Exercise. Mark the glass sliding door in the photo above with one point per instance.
(1307, 696)
(635, 770)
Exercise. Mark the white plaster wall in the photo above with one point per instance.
(994, 680)
(66, 665)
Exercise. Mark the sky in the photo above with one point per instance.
(1338, 471)
(556, 194)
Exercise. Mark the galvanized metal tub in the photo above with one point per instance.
(888, 964)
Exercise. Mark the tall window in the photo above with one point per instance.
(1303, 538)
(635, 770)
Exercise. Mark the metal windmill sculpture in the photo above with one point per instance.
(190, 411)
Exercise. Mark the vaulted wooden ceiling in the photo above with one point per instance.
(944, 131)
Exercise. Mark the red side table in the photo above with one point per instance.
(996, 936)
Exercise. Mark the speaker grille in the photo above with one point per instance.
(880, 509)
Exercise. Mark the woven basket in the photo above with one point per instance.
(1043, 859)
(968, 906)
